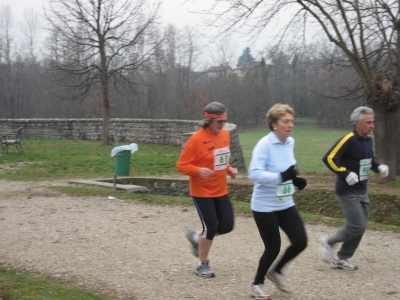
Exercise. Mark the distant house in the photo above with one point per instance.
(220, 72)
(246, 69)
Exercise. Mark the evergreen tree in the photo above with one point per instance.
(246, 58)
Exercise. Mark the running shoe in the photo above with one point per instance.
(344, 264)
(194, 244)
(279, 281)
(325, 250)
(204, 269)
(258, 291)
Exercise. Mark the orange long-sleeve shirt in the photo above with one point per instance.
(206, 150)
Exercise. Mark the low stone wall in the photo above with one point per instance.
(180, 187)
(164, 132)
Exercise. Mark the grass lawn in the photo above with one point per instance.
(15, 285)
(57, 159)
(311, 145)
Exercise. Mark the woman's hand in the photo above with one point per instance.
(301, 183)
(205, 172)
(232, 172)
(290, 173)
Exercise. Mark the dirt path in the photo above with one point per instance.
(130, 250)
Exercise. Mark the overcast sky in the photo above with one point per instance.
(174, 11)
(177, 12)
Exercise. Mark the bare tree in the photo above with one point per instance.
(99, 40)
(222, 52)
(30, 30)
(367, 32)
(173, 72)
(6, 43)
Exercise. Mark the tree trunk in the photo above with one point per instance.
(397, 133)
(387, 139)
(106, 111)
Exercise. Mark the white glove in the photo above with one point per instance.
(352, 178)
(383, 170)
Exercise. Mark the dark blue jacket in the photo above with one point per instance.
(345, 157)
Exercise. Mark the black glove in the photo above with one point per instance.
(290, 173)
(299, 182)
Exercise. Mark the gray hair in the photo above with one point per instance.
(358, 114)
(212, 108)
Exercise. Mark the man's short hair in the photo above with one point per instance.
(358, 114)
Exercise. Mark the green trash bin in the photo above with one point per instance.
(122, 163)
(122, 156)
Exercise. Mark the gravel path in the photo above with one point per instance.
(130, 250)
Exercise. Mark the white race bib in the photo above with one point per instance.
(285, 190)
(221, 158)
(365, 165)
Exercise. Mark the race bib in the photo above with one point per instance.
(285, 190)
(365, 165)
(221, 158)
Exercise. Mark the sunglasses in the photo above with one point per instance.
(220, 122)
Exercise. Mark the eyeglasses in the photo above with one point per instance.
(220, 122)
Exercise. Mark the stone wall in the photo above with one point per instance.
(123, 131)
(180, 187)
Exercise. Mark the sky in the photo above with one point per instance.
(177, 12)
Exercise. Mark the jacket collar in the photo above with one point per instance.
(274, 138)
(360, 137)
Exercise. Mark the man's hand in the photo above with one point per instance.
(205, 172)
(352, 178)
(383, 170)
(232, 172)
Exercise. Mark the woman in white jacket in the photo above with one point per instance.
(273, 171)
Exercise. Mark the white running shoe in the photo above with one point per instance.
(279, 281)
(325, 250)
(344, 264)
(258, 291)
(194, 244)
(204, 269)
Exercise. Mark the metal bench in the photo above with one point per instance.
(12, 139)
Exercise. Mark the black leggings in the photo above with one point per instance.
(216, 215)
(268, 224)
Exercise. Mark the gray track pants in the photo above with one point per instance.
(355, 209)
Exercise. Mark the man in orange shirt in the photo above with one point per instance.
(205, 159)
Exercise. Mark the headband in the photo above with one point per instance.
(214, 116)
